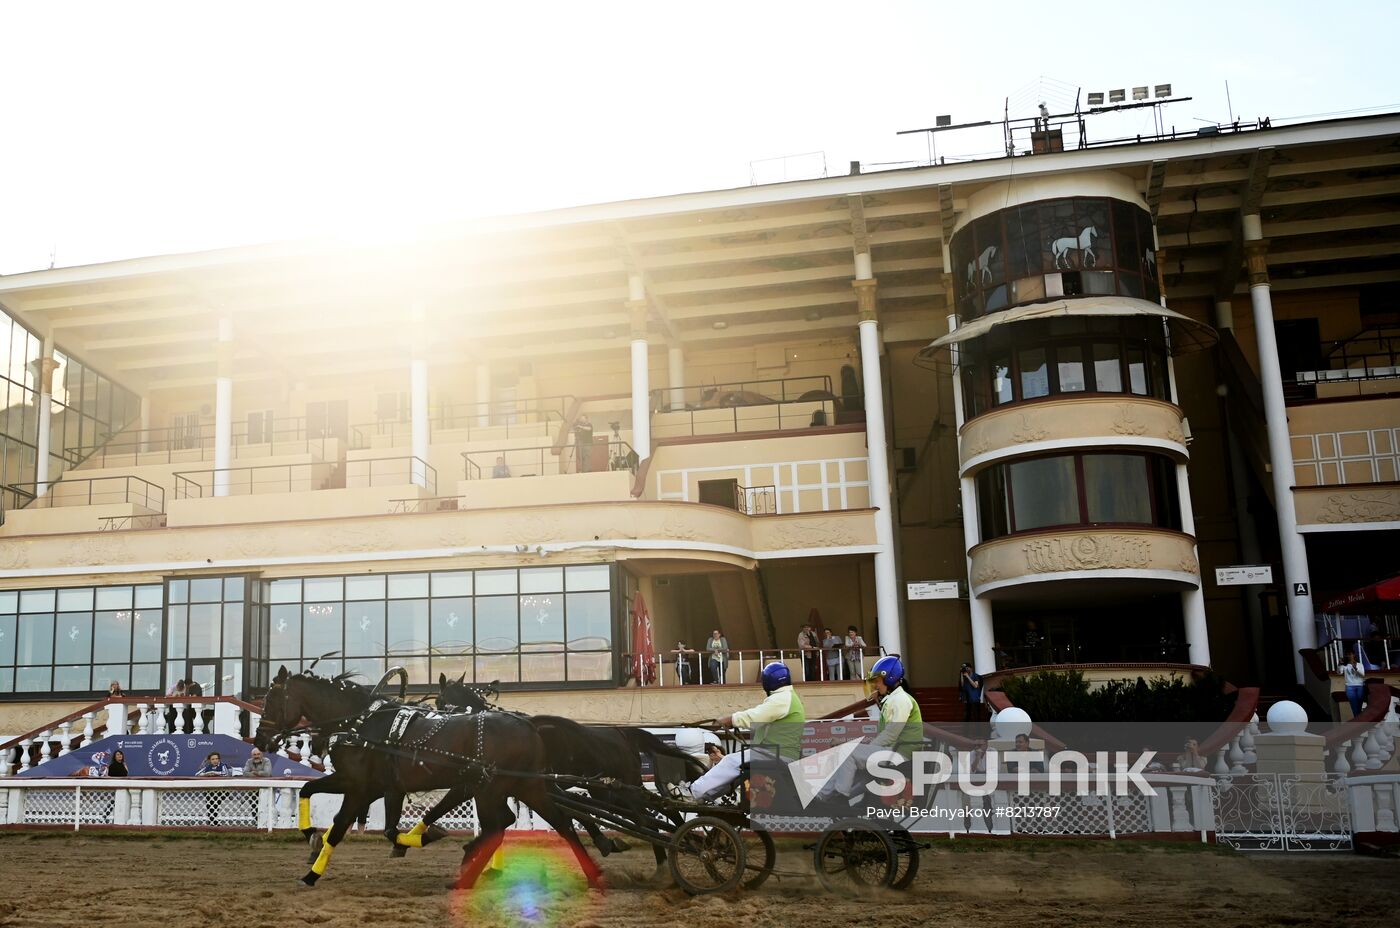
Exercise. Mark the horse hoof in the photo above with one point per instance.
(432, 834)
(398, 850)
(316, 844)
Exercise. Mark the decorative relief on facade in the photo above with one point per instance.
(533, 529)
(677, 528)
(806, 534)
(982, 446)
(1188, 564)
(1383, 506)
(1027, 432)
(1175, 434)
(13, 555)
(1086, 552)
(986, 574)
(1127, 422)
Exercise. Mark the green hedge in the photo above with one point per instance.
(1054, 696)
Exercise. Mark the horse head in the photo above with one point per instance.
(458, 695)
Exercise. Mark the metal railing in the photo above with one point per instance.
(758, 416)
(253, 480)
(289, 435)
(746, 392)
(131, 523)
(698, 666)
(1043, 654)
(1378, 652)
(543, 461)
(428, 504)
(93, 491)
(499, 418)
(394, 471)
(756, 501)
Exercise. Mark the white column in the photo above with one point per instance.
(983, 633)
(675, 364)
(483, 394)
(45, 401)
(1295, 552)
(1193, 601)
(1224, 315)
(886, 570)
(418, 398)
(223, 408)
(641, 379)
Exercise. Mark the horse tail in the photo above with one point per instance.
(669, 763)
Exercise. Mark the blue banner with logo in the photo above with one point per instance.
(162, 756)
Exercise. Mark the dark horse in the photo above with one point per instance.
(488, 756)
(594, 752)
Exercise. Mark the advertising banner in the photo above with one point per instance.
(174, 755)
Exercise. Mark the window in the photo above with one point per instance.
(79, 639)
(1077, 489)
(1035, 379)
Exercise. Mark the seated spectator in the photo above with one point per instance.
(1155, 765)
(501, 469)
(1191, 757)
(258, 765)
(1023, 743)
(214, 766)
(714, 753)
(117, 768)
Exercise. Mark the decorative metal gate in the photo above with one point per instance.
(1283, 812)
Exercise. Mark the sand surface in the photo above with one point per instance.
(64, 879)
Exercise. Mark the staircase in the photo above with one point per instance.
(939, 703)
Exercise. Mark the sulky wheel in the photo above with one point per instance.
(706, 856)
(865, 856)
(760, 858)
(906, 860)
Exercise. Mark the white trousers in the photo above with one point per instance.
(844, 780)
(720, 777)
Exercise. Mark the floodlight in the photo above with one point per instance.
(1139, 93)
(1162, 90)
(943, 121)
(1096, 99)
(1116, 96)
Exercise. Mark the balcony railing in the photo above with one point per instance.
(252, 481)
(425, 504)
(746, 393)
(542, 461)
(93, 491)
(1379, 653)
(196, 443)
(1371, 354)
(500, 418)
(756, 501)
(395, 471)
(1046, 653)
(697, 666)
(131, 523)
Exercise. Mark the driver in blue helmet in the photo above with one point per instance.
(776, 724)
(901, 723)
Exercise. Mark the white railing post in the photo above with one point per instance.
(45, 746)
(1342, 765)
(202, 727)
(121, 806)
(77, 807)
(65, 738)
(24, 747)
(133, 814)
(87, 729)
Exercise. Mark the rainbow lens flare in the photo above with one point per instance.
(541, 884)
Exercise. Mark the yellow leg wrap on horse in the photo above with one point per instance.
(498, 860)
(418, 829)
(409, 839)
(303, 814)
(324, 858)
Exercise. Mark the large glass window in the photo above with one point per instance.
(1070, 356)
(79, 639)
(517, 625)
(1077, 489)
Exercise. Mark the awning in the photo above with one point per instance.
(1362, 601)
(1187, 334)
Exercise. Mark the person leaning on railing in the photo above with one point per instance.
(718, 650)
(855, 651)
(831, 650)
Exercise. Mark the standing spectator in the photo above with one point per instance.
(583, 443)
(176, 691)
(831, 647)
(682, 663)
(114, 690)
(501, 469)
(855, 654)
(214, 766)
(807, 644)
(718, 648)
(970, 692)
(1354, 676)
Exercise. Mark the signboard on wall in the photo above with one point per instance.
(1244, 575)
(172, 755)
(933, 589)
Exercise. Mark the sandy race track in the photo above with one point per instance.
(64, 879)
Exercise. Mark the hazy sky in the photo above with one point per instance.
(135, 129)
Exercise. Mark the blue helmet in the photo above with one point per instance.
(774, 675)
(890, 668)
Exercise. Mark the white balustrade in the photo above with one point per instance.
(1358, 754)
(65, 738)
(1341, 764)
(87, 729)
(1237, 757)
(143, 719)
(45, 746)
(1373, 751)
(201, 722)
(133, 812)
(116, 718)
(285, 800)
(24, 747)
(1221, 769)
(1247, 740)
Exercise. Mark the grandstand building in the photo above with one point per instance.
(1053, 392)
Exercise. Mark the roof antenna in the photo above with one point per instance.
(1228, 105)
(53, 255)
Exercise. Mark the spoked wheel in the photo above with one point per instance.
(863, 855)
(760, 857)
(706, 856)
(906, 860)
